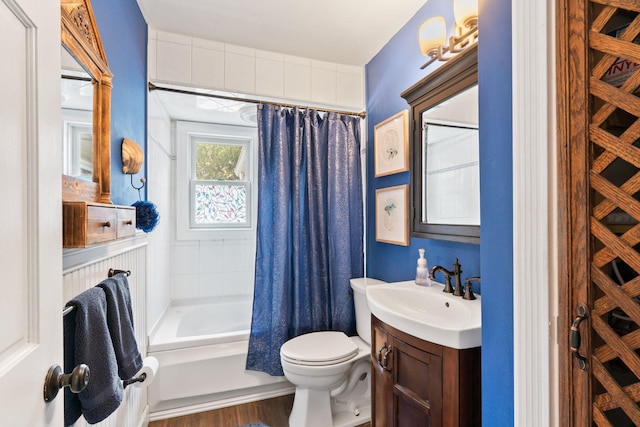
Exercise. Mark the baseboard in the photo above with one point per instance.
(224, 403)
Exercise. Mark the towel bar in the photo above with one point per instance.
(111, 273)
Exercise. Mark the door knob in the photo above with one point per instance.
(77, 380)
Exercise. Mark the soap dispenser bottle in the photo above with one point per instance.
(422, 272)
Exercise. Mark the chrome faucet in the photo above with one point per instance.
(447, 277)
(457, 271)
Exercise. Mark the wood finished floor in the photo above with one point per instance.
(273, 412)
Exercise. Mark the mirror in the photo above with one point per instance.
(445, 167)
(80, 38)
(77, 120)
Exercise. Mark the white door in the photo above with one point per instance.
(30, 211)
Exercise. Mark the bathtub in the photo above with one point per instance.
(201, 350)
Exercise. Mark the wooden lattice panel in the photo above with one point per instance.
(614, 135)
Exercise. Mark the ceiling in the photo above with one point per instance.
(348, 32)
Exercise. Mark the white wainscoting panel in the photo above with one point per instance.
(85, 268)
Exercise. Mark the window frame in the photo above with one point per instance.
(185, 215)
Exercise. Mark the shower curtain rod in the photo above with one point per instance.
(253, 101)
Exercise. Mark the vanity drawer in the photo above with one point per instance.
(101, 224)
(89, 223)
(126, 222)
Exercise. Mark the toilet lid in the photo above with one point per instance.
(319, 348)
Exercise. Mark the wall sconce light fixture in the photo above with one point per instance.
(433, 33)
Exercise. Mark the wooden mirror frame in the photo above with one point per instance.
(81, 38)
(453, 77)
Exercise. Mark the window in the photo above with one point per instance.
(215, 176)
(219, 190)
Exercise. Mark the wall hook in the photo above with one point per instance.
(143, 181)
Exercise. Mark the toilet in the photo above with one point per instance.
(331, 371)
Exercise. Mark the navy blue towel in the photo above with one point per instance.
(87, 340)
(120, 322)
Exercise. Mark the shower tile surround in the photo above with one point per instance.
(215, 268)
(212, 269)
(206, 64)
(183, 271)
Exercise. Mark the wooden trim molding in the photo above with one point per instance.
(565, 414)
(80, 36)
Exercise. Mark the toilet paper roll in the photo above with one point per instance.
(150, 368)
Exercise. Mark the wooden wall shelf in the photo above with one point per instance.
(90, 223)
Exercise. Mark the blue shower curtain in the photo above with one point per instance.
(310, 229)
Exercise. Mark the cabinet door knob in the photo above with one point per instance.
(385, 358)
(380, 353)
(106, 224)
(128, 222)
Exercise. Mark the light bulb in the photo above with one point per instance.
(465, 12)
(432, 35)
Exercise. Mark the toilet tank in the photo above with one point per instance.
(363, 314)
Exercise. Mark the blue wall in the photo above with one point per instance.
(124, 37)
(389, 73)
(395, 68)
(496, 210)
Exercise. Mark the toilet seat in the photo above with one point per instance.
(319, 349)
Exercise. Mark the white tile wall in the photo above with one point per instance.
(173, 61)
(297, 81)
(207, 44)
(210, 256)
(159, 190)
(152, 58)
(205, 269)
(166, 36)
(239, 68)
(210, 285)
(208, 64)
(188, 270)
(270, 77)
(234, 256)
(453, 195)
(349, 89)
(186, 286)
(324, 86)
(208, 67)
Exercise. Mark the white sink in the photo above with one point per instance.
(428, 313)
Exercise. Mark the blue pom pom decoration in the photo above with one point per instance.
(147, 215)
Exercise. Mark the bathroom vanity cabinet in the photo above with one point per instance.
(419, 383)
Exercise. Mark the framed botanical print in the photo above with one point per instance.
(391, 145)
(392, 215)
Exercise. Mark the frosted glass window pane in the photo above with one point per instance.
(220, 203)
